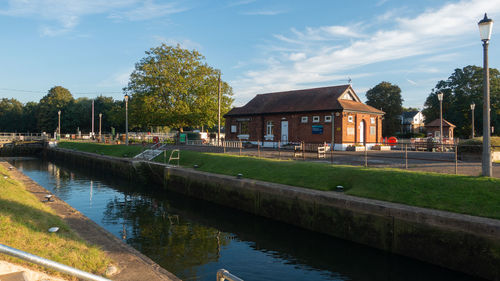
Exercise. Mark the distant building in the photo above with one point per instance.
(412, 122)
(433, 129)
(306, 115)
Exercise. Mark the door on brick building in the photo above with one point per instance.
(362, 132)
(284, 132)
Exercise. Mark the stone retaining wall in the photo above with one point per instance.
(459, 242)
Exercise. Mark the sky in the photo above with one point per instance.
(91, 46)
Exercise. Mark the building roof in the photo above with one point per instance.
(436, 123)
(409, 114)
(317, 99)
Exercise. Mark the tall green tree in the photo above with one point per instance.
(11, 113)
(463, 87)
(387, 97)
(58, 98)
(174, 87)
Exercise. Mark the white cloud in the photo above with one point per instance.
(264, 13)
(240, 3)
(184, 43)
(61, 16)
(316, 54)
(118, 79)
(411, 82)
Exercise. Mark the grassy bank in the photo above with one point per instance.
(117, 150)
(24, 222)
(477, 196)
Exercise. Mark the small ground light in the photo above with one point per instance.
(54, 229)
(5, 177)
(48, 197)
(340, 188)
(11, 168)
(239, 176)
(195, 166)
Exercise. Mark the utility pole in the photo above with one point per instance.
(92, 119)
(218, 115)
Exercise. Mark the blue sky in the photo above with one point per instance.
(91, 46)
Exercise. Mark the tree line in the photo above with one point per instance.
(460, 90)
(170, 87)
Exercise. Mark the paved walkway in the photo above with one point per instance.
(438, 162)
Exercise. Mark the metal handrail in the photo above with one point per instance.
(50, 264)
(223, 274)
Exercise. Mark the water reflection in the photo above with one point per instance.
(193, 238)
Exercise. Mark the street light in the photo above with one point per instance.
(100, 119)
(126, 119)
(472, 106)
(59, 123)
(440, 98)
(485, 27)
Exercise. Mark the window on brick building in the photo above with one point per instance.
(269, 130)
(244, 128)
(373, 130)
(315, 119)
(303, 119)
(372, 120)
(328, 118)
(350, 118)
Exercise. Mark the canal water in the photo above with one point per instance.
(193, 239)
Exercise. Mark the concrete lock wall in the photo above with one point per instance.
(458, 242)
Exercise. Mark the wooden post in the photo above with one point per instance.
(456, 159)
(279, 149)
(366, 157)
(406, 156)
(303, 151)
(241, 145)
(224, 145)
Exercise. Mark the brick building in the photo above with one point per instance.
(434, 129)
(306, 115)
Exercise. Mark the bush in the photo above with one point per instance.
(476, 145)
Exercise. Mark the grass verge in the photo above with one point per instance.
(103, 149)
(24, 222)
(477, 196)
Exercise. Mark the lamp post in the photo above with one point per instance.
(59, 123)
(472, 106)
(485, 27)
(100, 122)
(440, 98)
(126, 119)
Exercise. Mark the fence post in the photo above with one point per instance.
(258, 149)
(224, 145)
(406, 156)
(456, 159)
(303, 151)
(366, 157)
(241, 146)
(331, 154)
(279, 149)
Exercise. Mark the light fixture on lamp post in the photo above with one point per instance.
(485, 27)
(126, 119)
(472, 106)
(440, 98)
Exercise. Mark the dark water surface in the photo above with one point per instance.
(193, 239)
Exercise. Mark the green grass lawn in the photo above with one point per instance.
(477, 196)
(24, 222)
(117, 150)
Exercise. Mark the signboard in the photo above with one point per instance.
(317, 129)
(392, 141)
(182, 138)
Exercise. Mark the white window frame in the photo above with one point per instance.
(328, 118)
(373, 130)
(303, 119)
(350, 119)
(315, 119)
(372, 120)
(269, 128)
(234, 128)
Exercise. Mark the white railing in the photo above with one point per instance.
(223, 275)
(50, 264)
